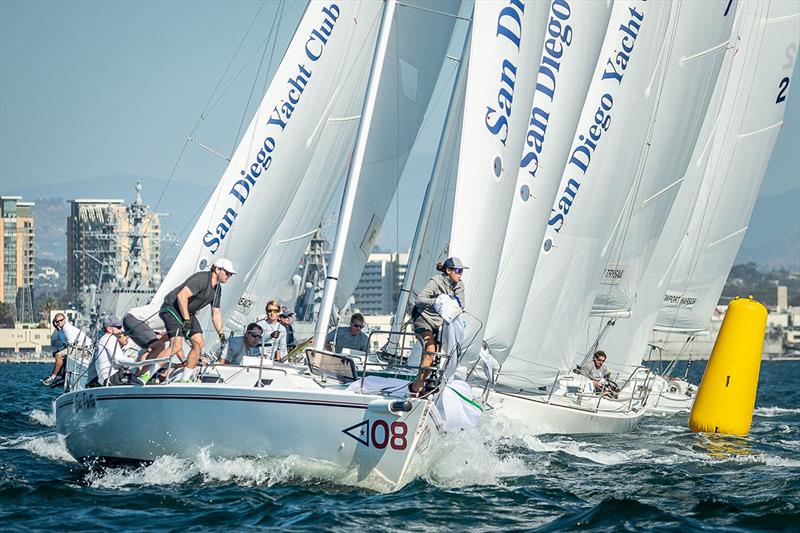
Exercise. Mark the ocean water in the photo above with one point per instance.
(661, 476)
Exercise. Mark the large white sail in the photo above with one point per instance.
(575, 32)
(612, 131)
(627, 341)
(504, 51)
(733, 178)
(420, 38)
(332, 141)
(254, 192)
(703, 36)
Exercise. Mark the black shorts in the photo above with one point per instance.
(175, 327)
(139, 331)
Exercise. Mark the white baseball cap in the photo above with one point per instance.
(225, 264)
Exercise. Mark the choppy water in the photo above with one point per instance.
(661, 476)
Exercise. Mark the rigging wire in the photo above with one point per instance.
(203, 115)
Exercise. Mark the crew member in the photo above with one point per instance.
(66, 336)
(180, 308)
(274, 330)
(238, 347)
(285, 318)
(596, 370)
(352, 337)
(109, 356)
(427, 321)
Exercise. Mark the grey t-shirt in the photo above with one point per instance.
(236, 349)
(592, 372)
(202, 293)
(343, 339)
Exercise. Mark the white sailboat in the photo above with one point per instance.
(615, 141)
(744, 135)
(275, 409)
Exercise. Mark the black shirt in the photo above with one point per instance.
(202, 293)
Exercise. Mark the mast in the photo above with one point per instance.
(353, 176)
(427, 202)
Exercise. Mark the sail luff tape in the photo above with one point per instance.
(727, 394)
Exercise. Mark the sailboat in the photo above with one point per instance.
(705, 229)
(271, 408)
(619, 151)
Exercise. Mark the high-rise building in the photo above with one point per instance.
(379, 287)
(18, 259)
(111, 244)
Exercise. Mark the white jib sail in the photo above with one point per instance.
(504, 52)
(627, 341)
(417, 48)
(254, 192)
(611, 133)
(575, 32)
(731, 184)
(332, 139)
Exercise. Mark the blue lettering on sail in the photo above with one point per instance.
(559, 37)
(509, 27)
(278, 120)
(587, 141)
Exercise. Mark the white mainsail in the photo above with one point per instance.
(703, 35)
(612, 131)
(404, 91)
(627, 340)
(417, 48)
(255, 190)
(733, 178)
(575, 33)
(506, 41)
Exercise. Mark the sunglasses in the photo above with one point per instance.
(273, 310)
(359, 326)
(254, 335)
(59, 321)
(458, 270)
(601, 359)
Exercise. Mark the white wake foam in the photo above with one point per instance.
(472, 458)
(774, 411)
(50, 447)
(244, 471)
(43, 418)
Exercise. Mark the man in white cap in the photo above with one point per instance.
(180, 308)
(109, 356)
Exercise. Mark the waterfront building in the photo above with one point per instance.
(18, 256)
(379, 287)
(112, 245)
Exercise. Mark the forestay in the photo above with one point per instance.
(433, 225)
(506, 39)
(417, 47)
(612, 131)
(254, 193)
(732, 181)
(575, 32)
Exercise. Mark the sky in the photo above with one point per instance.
(97, 89)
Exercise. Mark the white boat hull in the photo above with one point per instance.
(671, 396)
(357, 432)
(562, 415)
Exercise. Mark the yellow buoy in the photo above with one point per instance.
(727, 393)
